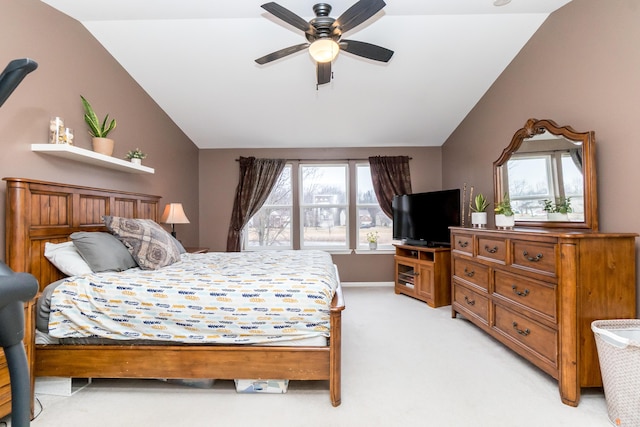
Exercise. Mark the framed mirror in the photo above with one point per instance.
(549, 174)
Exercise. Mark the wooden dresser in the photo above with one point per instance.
(538, 290)
(29, 344)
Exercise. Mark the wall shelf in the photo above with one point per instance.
(72, 152)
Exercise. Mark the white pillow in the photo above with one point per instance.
(66, 258)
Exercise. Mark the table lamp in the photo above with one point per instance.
(174, 214)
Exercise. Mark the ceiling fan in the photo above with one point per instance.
(323, 34)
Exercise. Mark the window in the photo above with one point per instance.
(314, 207)
(271, 226)
(371, 219)
(324, 209)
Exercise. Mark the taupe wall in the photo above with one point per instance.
(581, 68)
(219, 175)
(71, 63)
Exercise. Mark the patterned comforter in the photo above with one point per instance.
(249, 297)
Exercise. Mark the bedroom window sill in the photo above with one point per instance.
(374, 252)
(72, 152)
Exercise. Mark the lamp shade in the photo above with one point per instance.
(324, 50)
(174, 214)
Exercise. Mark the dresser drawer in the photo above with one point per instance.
(4, 371)
(470, 301)
(536, 337)
(5, 394)
(541, 297)
(492, 249)
(470, 271)
(539, 257)
(462, 243)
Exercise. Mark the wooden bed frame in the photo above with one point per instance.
(39, 212)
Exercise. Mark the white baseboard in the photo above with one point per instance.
(369, 284)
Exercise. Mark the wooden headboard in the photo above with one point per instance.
(39, 212)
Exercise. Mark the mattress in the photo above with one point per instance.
(222, 298)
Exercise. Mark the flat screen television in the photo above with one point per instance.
(423, 219)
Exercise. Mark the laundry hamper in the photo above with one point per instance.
(618, 344)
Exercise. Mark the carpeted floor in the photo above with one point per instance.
(404, 364)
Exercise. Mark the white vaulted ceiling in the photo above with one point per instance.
(195, 58)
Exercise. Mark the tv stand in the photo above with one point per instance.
(426, 244)
(424, 273)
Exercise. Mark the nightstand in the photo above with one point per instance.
(197, 250)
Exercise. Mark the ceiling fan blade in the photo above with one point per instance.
(366, 50)
(286, 15)
(358, 13)
(281, 53)
(324, 72)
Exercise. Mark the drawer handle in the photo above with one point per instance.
(492, 250)
(469, 273)
(469, 301)
(520, 331)
(532, 259)
(463, 244)
(520, 293)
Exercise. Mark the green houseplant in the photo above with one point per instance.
(558, 210)
(504, 213)
(99, 130)
(479, 214)
(135, 156)
(480, 203)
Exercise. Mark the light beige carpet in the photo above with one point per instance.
(404, 364)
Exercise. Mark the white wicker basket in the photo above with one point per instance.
(618, 343)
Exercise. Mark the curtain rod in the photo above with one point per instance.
(329, 160)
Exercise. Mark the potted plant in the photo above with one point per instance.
(135, 156)
(99, 130)
(479, 214)
(372, 238)
(504, 213)
(558, 210)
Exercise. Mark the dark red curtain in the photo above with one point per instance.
(390, 176)
(257, 178)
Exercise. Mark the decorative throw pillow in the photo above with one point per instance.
(150, 244)
(181, 248)
(102, 251)
(65, 257)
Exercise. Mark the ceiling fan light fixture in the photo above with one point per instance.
(324, 50)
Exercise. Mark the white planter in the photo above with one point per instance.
(136, 161)
(557, 216)
(503, 221)
(479, 219)
(373, 245)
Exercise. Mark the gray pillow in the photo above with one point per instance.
(181, 248)
(102, 251)
(150, 244)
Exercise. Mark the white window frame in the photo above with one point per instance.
(350, 207)
(291, 207)
(344, 206)
(365, 245)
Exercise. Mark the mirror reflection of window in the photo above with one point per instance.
(573, 185)
(532, 178)
(530, 181)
